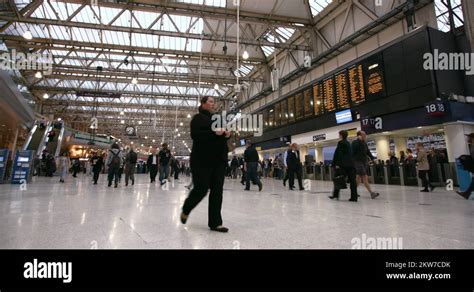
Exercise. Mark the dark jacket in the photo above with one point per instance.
(149, 161)
(209, 149)
(251, 154)
(292, 159)
(97, 163)
(343, 155)
(360, 151)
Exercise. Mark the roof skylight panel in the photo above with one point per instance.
(318, 5)
(215, 3)
(268, 50)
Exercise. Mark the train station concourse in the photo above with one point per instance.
(237, 124)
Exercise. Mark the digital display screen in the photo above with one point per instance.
(356, 84)
(291, 109)
(344, 116)
(23, 159)
(299, 106)
(341, 90)
(277, 114)
(242, 142)
(271, 114)
(318, 99)
(1, 159)
(284, 112)
(329, 102)
(373, 77)
(308, 103)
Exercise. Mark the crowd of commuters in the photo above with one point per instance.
(209, 166)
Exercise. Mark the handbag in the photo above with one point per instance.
(339, 181)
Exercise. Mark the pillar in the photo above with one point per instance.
(319, 154)
(382, 145)
(456, 143)
(303, 152)
(15, 140)
(400, 144)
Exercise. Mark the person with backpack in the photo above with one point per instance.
(130, 166)
(114, 162)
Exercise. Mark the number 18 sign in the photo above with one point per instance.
(436, 108)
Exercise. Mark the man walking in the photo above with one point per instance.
(164, 163)
(97, 163)
(293, 162)
(361, 154)
(251, 166)
(114, 162)
(130, 166)
(423, 168)
(152, 165)
(208, 165)
(344, 164)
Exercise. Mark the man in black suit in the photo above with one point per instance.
(344, 164)
(152, 165)
(293, 162)
(251, 161)
(208, 164)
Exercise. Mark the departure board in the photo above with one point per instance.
(373, 76)
(277, 114)
(299, 106)
(284, 112)
(329, 102)
(342, 96)
(318, 99)
(356, 84)
(291, 109)
(308, 102)
(271, 120)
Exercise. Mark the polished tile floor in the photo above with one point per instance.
(80, 215)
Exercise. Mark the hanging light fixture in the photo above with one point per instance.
(216, 86)
(27, 35)
(245, 55)
(134, 80)
(122, 113)
(38, 74)
(188, 116)
(139, 122)
(45, 96)
(181, 123)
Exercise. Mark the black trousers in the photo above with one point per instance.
(425, 181)
(251, 175)
(203, 180)
(350, 173)
(153, 172)
(291, 176)
(96, 175)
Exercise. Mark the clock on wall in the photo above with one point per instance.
(130, 131)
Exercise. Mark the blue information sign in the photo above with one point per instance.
(3, 164)
(22, 166)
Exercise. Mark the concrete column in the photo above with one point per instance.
(400, 144)
(319, 154)
(382, 144)
(303, 152)
(456, 144)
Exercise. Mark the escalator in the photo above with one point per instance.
(36, 137)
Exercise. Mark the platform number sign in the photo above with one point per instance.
(436, 109)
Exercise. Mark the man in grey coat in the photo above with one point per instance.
(423, 168)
